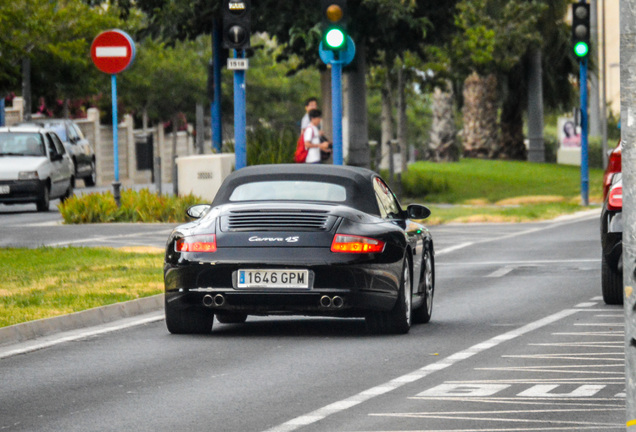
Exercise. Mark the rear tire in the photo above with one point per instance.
(231, 318)
(188, 321)
(69, 192)
(611, 284)
(423, 314)
(92, 178)
(44, 201)
(398, 320)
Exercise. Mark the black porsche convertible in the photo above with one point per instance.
(314, 240)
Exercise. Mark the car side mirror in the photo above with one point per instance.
(196, 211)
(417, 211)
(56, 157)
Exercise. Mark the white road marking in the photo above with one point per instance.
(521, 263)
(453, 248)
(507, 420)
(583, 344)
(544, 390)
(524, 429)
(69, 336)
(501, 272)
(604, 380)
(490, 412)
(108, 238)
(464, 390)
(361, 397)
(610, 333)
(599, 324)
(572, 356)
(534, 401)
(586, 305)
(512, 235)
(563, 369)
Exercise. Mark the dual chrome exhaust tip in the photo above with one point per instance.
(336, 302)
(216, 301)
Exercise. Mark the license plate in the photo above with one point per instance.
(273, 278)
(5, 190)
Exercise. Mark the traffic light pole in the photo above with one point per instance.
(240, 123)
(585, 175)
(336, 107)
(215, 109)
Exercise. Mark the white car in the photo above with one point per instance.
(34, 167)
(77, 146)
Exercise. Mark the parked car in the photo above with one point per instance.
(301, 240)
(614, 163)
(77, 146)
(612, 243)
(34, 167)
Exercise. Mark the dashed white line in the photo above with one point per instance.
(361, 397)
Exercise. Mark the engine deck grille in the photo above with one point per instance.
(278, 220)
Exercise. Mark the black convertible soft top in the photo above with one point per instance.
(357, 181)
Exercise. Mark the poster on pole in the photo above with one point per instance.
(569, 136)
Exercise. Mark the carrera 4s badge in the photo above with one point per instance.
(291, 239)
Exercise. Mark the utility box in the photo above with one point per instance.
(202, 175)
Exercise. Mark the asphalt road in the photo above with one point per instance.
(520, 340)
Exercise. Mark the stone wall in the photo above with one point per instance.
(101, 138)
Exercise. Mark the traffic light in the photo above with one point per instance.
(334, 24)
(581, 29)
(236, 24)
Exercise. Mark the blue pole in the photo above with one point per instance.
(216, 103)
(115, 131)
(2, 120)
(240, 137)
(585, 178)
(336, 108)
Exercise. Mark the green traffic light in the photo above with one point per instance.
(335, 38)
(581, 49)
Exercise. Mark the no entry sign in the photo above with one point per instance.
(113, 51)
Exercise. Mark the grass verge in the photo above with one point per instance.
(47, 282)
(475, 190)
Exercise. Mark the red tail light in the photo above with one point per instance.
(614, 165)
(355, 244)
(615, 200)
(199, 243)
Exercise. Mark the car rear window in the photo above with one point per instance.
(288, 190)
(21, 144)
(59, 129)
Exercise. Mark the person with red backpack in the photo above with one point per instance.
(311, 138)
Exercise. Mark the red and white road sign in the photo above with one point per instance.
(113, 51)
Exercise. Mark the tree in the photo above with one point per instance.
(558, 66)
(493, 37)
(54, 37)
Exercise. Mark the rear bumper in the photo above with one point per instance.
(359, 289)
(21, 191)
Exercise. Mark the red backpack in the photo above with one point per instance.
(301, 151)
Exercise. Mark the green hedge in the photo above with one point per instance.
(136, 206)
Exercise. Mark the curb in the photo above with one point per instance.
(100, 315)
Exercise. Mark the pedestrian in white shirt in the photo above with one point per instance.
(310, 104)
(311, 135)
